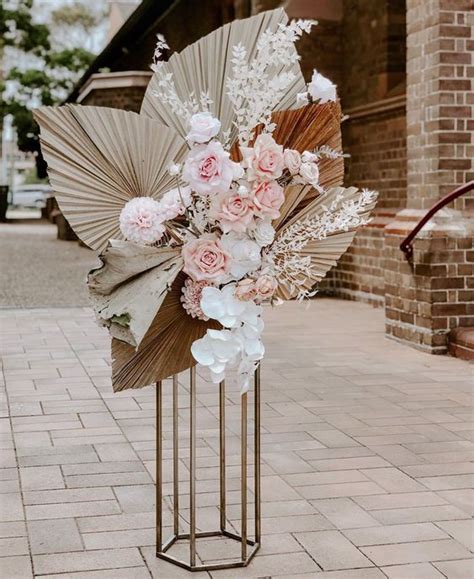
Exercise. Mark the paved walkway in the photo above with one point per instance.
(37, 270)
(366, 454)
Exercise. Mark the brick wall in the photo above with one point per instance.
(440, 99)
(373, 40)
(433, 292)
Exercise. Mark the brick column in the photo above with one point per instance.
(434, 293)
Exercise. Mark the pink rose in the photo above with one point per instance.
(208, 169)
(234, 212)
(268, 198)
(292, 161)
(205, 259)
(245, 290)
(265, 286)
(265, 159)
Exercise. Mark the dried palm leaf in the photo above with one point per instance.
(99, 158)
(205, 65)
(166, 348)
(129, 288)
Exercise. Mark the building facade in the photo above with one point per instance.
(404, 69)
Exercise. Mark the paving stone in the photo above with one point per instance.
(331, 550)
(16, 567)
(68, 496)
(464, 499)
(456, 569)
(41, 478)
(418, 552)
(418, 514)
(67, 510)
(87, 560)
(13, 546)
(395, 534)
(414, 571)
(339, 490)
(344, 513)
(462, 531)
(392, 480)
(128, 573)
(54, 536)
(400, 500)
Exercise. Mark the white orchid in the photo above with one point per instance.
(222, 305)
(216, 350)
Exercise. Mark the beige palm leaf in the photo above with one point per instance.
(205, 65)
(100, 158)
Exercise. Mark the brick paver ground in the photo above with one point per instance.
(367, 448)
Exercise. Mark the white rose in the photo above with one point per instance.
(203, 128)
(309, 173)
(292, 160)
(244, 252)
(264, 233)
(321, 88)
(308, 157)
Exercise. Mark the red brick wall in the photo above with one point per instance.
(440, 100)
(377, 148)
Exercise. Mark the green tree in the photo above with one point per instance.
(46, 71)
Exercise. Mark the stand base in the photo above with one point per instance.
(232, 564)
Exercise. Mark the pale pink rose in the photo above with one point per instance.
(264, 160)
(208, 169)
(205, 259)
(265, 286)
(268, 198)
(292, 161)
(234, 212)
(245, 290)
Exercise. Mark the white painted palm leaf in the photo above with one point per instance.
(100, 158)
(205, 65)
(129, 288)
(325, 252)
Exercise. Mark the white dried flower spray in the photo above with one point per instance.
(291, 268)
(255, 88)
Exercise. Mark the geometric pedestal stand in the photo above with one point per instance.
(189, 536)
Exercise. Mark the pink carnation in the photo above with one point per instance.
(205, 258)
(268, 198)
(141, 222)
(234, 212)
(191, 298)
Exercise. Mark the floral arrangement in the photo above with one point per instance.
(245, 214)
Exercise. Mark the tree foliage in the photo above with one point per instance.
(44, 69)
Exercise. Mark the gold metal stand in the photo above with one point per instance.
(249, 546)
